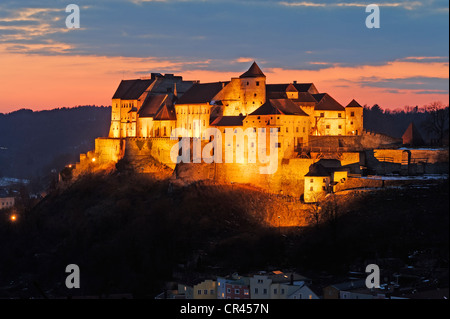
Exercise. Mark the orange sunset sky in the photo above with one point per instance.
(44, 65)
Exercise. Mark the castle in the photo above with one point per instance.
(148, 108)
(319, 141)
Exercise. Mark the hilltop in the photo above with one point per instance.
(34, 143)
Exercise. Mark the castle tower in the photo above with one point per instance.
(252, 89)
(354, 114)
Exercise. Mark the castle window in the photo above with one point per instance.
(296, 129)
(311, 180)
(324, 180)
(311, 188)
(351, 123)
(248, 83)
(304, 129)
(352, 113)
(322, 114)
(278, 145)
(287, 130)
(257, 84)
(254, 95)
(323, 188)
(328, 126)
(339, 115)
(340, 127)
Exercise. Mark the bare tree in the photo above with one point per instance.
(437, 120)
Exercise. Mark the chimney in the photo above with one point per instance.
(175, 93)
(295, 82)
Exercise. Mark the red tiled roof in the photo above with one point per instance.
(300, 87)
(131, 89)
(326, 103)
(166, 113)
(201, 93)
(279, 106)
(152, 104)
(305, 97)
(228, 121)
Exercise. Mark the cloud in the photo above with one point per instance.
(242, 60)
(408, 5)
(28, 30)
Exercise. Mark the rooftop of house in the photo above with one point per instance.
(166, 113)
(284, 87)
(326, 103)
(132, 89)
(353, 103)
(279, 106)
(201, 93)
(350, 285)
(153, 104)
(317, 170)
(228, 121)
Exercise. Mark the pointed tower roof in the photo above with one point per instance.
(353, 103)
(253, 72)
(412, 136)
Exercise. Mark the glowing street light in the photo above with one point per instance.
(13, 217)
(93, 159)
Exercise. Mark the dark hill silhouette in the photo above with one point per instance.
(34, 143)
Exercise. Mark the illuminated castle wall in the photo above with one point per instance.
(153, 107)
(146, 111)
